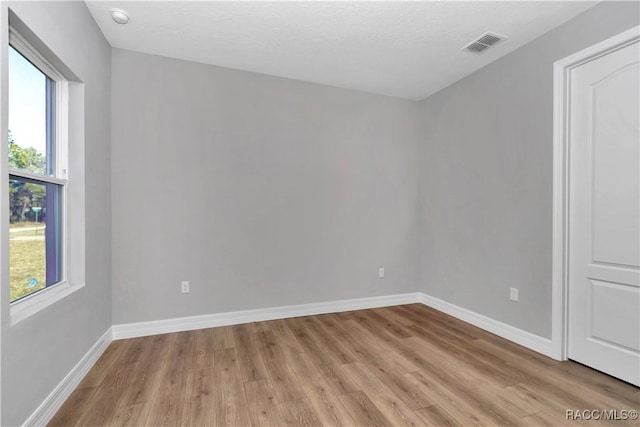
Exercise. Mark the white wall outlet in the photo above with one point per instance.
(381, 272)
(513, 294)
(184, 288)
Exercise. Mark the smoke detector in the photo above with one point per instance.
(484, 42)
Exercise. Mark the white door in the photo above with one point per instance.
(604, 213)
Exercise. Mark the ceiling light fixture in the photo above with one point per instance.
(119, 16)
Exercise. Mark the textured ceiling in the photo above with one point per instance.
(403, 49)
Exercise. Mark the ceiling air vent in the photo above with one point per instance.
(484, 42)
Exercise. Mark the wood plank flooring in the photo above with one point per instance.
(394, 366)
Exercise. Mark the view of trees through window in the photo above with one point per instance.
(33, 198)
(27, 219)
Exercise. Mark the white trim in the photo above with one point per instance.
(4, 183)
(58, 396)
(33, 303)
(131, 330)
(36, 58)
(526, 339)
(518, 336)
(24, 48)
(37, 176)
(62, 130)
(23, 308)
(561, 85)
(48, 408)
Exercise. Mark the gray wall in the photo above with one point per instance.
(38, 352)
(261, 191)
(486, 177)
(264, 192)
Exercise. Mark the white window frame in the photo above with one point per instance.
(31, 304)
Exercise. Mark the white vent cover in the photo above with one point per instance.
(484, 42)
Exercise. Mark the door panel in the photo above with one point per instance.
(615, 168)
(604, 213)
(608, 297)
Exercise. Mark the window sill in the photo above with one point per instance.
(29, 306)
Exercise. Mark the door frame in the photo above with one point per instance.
(561, 157)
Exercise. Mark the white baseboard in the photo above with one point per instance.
(57, 397)
(526, 339)
(48, 408)
(518, 336)
(131, 330)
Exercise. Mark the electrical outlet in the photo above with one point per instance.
(185, 288)
(513, 294)
(381, 272)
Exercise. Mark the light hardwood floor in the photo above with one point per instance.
(394, 366)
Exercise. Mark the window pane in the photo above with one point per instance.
(34, 236)
(31, 116)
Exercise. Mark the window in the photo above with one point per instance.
(37, 171)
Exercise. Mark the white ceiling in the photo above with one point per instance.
(403, 49)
